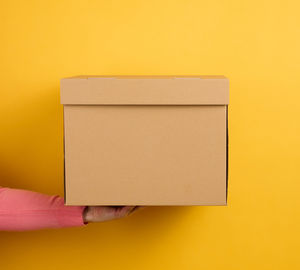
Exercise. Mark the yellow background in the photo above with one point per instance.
(255, 43)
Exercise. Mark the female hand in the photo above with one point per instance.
(105, 213)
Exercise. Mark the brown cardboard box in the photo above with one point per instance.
(145, 140)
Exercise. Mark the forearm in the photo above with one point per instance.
(22, 210)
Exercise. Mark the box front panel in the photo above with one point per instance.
(145, 155)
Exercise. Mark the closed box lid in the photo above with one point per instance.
(145, 90)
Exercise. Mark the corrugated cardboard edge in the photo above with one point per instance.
(227, 154)
(64, 156)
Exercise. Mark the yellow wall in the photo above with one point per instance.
(255, 43)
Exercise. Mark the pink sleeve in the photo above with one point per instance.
(22, 210)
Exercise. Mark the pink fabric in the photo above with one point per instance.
(22, 210)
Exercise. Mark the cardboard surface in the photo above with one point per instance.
(121, 151)
(151, 90)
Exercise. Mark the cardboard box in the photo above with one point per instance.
(145, 140)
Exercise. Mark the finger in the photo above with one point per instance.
(135, 209)
(129, 210)
(124, 211)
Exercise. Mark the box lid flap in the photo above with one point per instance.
(141, 90)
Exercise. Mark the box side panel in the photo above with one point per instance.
(145, 155)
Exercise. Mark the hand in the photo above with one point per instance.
(105, 213)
